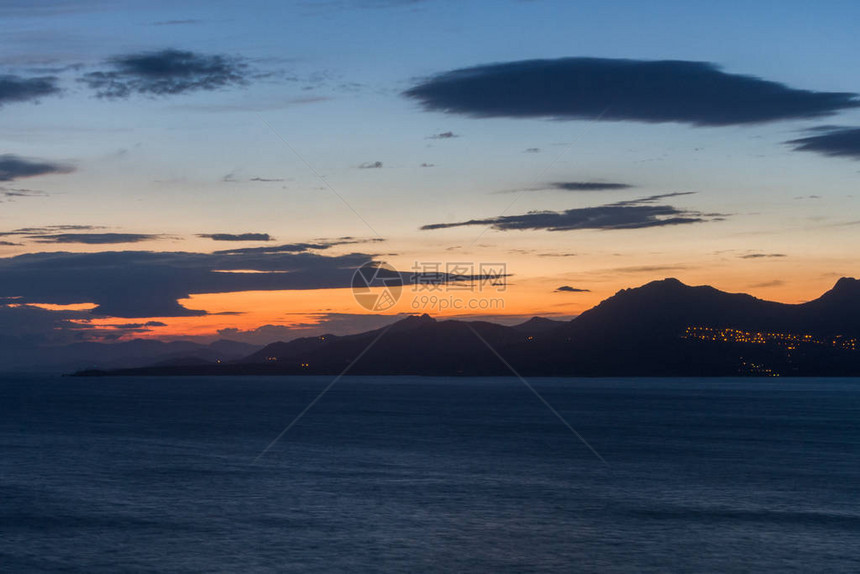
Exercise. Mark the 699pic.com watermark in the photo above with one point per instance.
(432, 286)
(440, 304)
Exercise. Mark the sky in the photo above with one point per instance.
(211, 169)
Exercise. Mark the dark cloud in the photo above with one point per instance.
(569, 289)
(134, 284)
(167, 72)
(634, 214)
(17, 89)
(588, 186)
(443, 136)
(370, 165)
(25, 325)
(94, 238)
(835, 141)
(237, 237)
(762, 255)
(138, 284)
(696, 93)
(13, 167)
(132, 326)
(318, 245)
(77, 234)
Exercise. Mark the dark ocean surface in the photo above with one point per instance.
(410, 474)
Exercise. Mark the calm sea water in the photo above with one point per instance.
(406, 474)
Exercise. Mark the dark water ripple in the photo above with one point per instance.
(429, 475)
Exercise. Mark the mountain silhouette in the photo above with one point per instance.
(18, 357)
(663, 328)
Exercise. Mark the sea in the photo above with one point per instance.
(418, 474)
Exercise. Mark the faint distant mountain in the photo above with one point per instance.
(664, 328)
(127, 354)
(539, 325)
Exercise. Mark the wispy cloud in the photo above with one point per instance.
(14, 167)
(185, 22)
(167, 72)
(443, 136)
(49, 229)
(766, 284)
(633, 214)
(11, 193)
(575, 186)
(588, 186)
(316, 245)
(762, 255)
(15, 88)
(569, 289)
(81, 234)
(236, 237)
(835, 141)
(48, 8)
(94, 238)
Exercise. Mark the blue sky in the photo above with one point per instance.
(323, 95)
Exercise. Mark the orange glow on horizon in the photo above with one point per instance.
(306, 309)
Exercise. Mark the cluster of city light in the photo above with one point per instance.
(757, 369)
(789, 340)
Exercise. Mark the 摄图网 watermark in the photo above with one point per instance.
(435, 286)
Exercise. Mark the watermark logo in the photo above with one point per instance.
(443, 303)
(454, 276)
(436, 286)
(462, 286)
(377, 286)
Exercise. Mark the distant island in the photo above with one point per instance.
(664, 328)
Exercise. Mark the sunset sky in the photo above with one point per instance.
(208, 169)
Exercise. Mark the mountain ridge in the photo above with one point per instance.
(662, 328)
